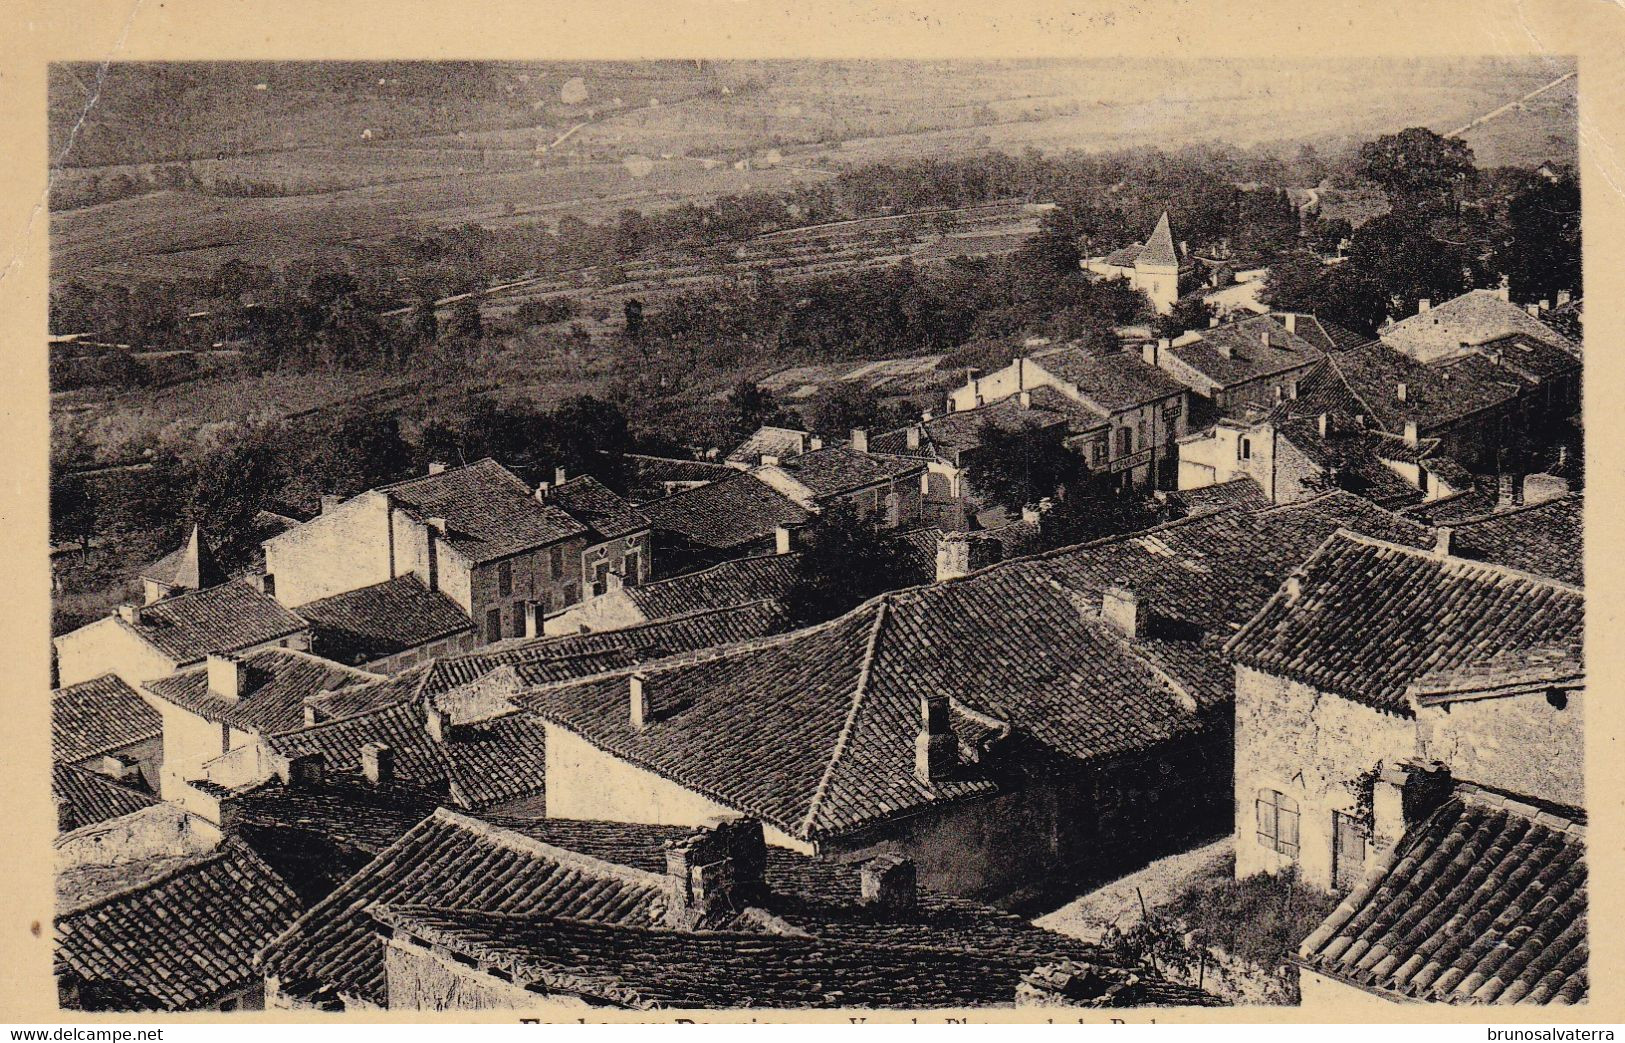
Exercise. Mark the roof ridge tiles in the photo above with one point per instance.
(522, 844)
(859, 690)
(1460, 566)
(1522, 508)
(148, 883)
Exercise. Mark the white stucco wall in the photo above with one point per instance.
(108, 646)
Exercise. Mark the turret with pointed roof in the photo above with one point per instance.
(192, 566)
(1159, 249)
(1156, 269)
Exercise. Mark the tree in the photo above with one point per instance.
(634, 318)
(1093, 510)
(425, 325)
(842, 406)
(1016, 467)
(1540, 254)
(1418, 169)
(843, 562)
(1189, 313)
(1399, 253)
(73, 509)
(750, 406)
(464, 323)
(234, 471)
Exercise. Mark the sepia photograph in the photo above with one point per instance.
(1043, 537)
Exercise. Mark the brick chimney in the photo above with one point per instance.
(1443, 536)
(911, 437)
(436, 466)
(1401, 391)
(378, 763)
(642, 714)
(305, 771)
(1423, 305)
(953, 556)
(718, 869)
(227, 676)
(783, 539)
(1291, 321)
(330, 502)
(860, 439)
(888, 882)
(1509, 491)
(1123, 610)
(1401, 797)
(131, 614)
(1412, 437)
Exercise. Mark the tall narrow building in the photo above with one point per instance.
(1156, 269)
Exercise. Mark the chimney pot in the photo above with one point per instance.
(226, 676)
(637, 690)
(436, 466)
(1123, 609)
(860, 439)
(378, 763)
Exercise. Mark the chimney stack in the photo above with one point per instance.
(131, 614)
(1563, 298)
(1325, 425)
(912, 436)
(305, 771)
(1291, 320)
(959, 555)
(1411, 435)
(860, 439)
(560, 476)
(1503, 291)
(438, 524)
(768, 459)
(1226, 350)
(1442, 538)
(642, 713)
(814, 444)
(1123, 610)
(378, 763)
(936, 748)
(533, 619)
(1423, 305)
(718, 869)
(783, 539)
(887, 882)
(1294, 587)
(436, 466)
(1401, 391)
(1264, 337)
(1533, 310)
(227, 675)
(1024, 399)
(1212, 322)
(1401, 797)
(330, 502)
(1545, 306)
(435, 723)
(1509, 491)
(1292, 388)
(66, 818)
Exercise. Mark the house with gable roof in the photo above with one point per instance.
(1155, 268)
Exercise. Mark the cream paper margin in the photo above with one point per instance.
(36, 32)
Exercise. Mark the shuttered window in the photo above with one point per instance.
(1277, 822)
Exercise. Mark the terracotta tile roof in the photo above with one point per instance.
(184, 940)
(1473, 503)
(489, 513)
(1327, 336)
(1353, 458)
(725, 514)
(727, 585)
(1249, 359)
(1240, 492)
(1473, 318)
(1124, 257)
(1484, 902)
(1435, 396)
(650, 473)
(276, 683)
(581, 655)
(1371, 617)
(591, 503)
(1112, 382)
(838, 469)
(227, 618)
(1547, 538)
(814, 731)
(96, 716)
(408, 685)
(1502, 673)
(478, 765)
(584, 901)
(92, 797)
(1159, 249)
(782, 442)
(947, 436)
(1531, 358)
(362, 625)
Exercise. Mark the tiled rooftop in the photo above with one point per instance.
(276, 683)
(839, 469)
(91, 797)
(1483, 903)
(1435, 396)
(1473, 318)
(782, 442)
(1371, 617)
(594, 505)
(560, 901)
(362, 625)
(1248, 359)
(727, 585)
(1113, 382)
(725, 514)
(1547, 538)
(226, 618)
(1240, 492)
(489, 512)
(181, 941)
(99, 715)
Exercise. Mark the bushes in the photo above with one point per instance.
(1260, 919)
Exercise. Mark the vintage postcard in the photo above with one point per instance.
(1081, 523)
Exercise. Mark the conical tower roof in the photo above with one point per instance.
(189, 567)
(1159, 249)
